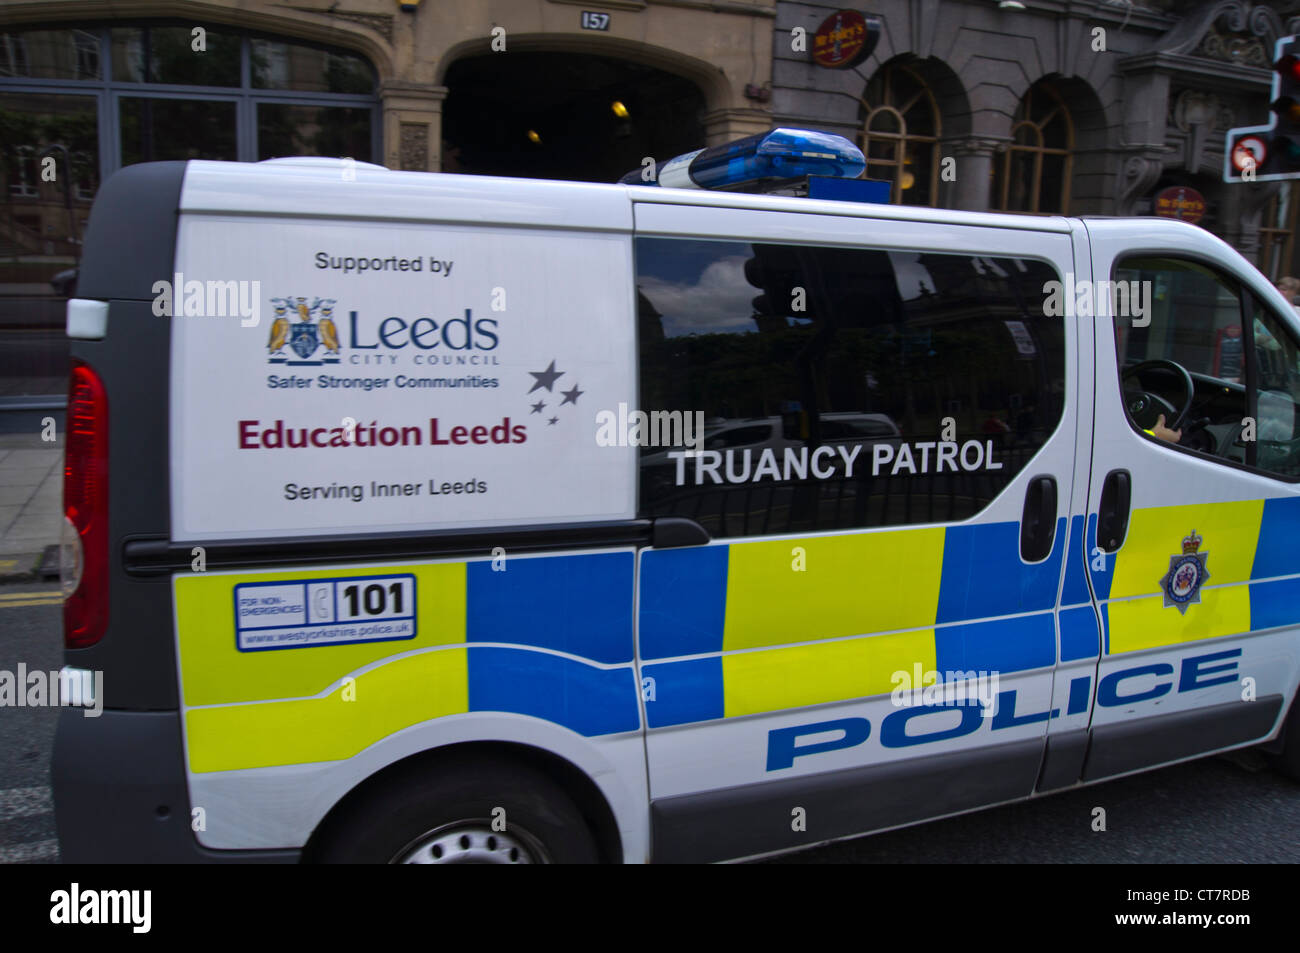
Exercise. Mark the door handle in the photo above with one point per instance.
(1038, 521)
(1112, 520)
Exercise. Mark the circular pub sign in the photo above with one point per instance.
(844, 39)
(1180, 201)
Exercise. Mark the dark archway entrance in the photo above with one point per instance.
(553, 116)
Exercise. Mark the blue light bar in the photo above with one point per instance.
(779, 154)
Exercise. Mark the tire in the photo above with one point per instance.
(444, 813)
(1287, 761)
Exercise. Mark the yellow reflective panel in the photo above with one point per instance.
(853, 584)
(1229, 532)
(214, 671)
(354, 716)
(776, 679)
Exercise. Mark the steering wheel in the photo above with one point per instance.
(1145, 407)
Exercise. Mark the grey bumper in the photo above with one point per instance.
(120, 794)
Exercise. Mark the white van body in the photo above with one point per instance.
(344, 540)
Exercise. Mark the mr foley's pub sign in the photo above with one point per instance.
(844, 39)
(1180, 202)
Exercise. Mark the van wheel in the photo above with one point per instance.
(464, 812)
(1287, 761)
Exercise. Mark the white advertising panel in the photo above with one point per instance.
(332, 378)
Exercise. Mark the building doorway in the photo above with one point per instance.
(565, 116)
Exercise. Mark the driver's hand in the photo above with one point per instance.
(1164, 433)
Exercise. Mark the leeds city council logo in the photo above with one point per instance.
(1187, 572)
(303, 337)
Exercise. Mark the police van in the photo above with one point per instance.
(365, 564)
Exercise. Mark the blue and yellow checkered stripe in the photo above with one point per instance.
(749, 632)
(947, 599)
(1253, 558)
(326, 703)
(738, 629)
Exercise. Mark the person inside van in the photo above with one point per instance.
(1164, 433)
(1290, 288)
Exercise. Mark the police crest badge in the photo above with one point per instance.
(1187, 573)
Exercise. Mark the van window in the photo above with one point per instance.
(1277, 369)
(737, 437)
(824, 378)
(1194, 317)
(1194, 321)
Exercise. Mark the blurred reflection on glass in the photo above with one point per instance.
(336, 131)
(827, 376)
(49, 157)
(154, 130)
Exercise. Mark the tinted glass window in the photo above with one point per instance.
(175, 54)
(50, 54)
(42, 221)
(737, 437)
(1183, 312)
(157, 129)
(1243, 403)
(853, 360)
(50, 138)
(1277, 366)
(277, 64)
(288, 130)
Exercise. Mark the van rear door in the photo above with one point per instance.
(397, 526)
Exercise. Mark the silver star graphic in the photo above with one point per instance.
(537, 407)
(546, 378)
(571, 396)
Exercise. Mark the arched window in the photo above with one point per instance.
(1033, 174)
(900, 135)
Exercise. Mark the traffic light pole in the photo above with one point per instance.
(1272, 152)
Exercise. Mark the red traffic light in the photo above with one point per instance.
(1289, 67)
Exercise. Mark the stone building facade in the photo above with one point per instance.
(547, 88)
(1084, 108)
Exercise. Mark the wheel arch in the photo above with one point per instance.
(575, 782)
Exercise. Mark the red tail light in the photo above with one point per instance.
(84, 555)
